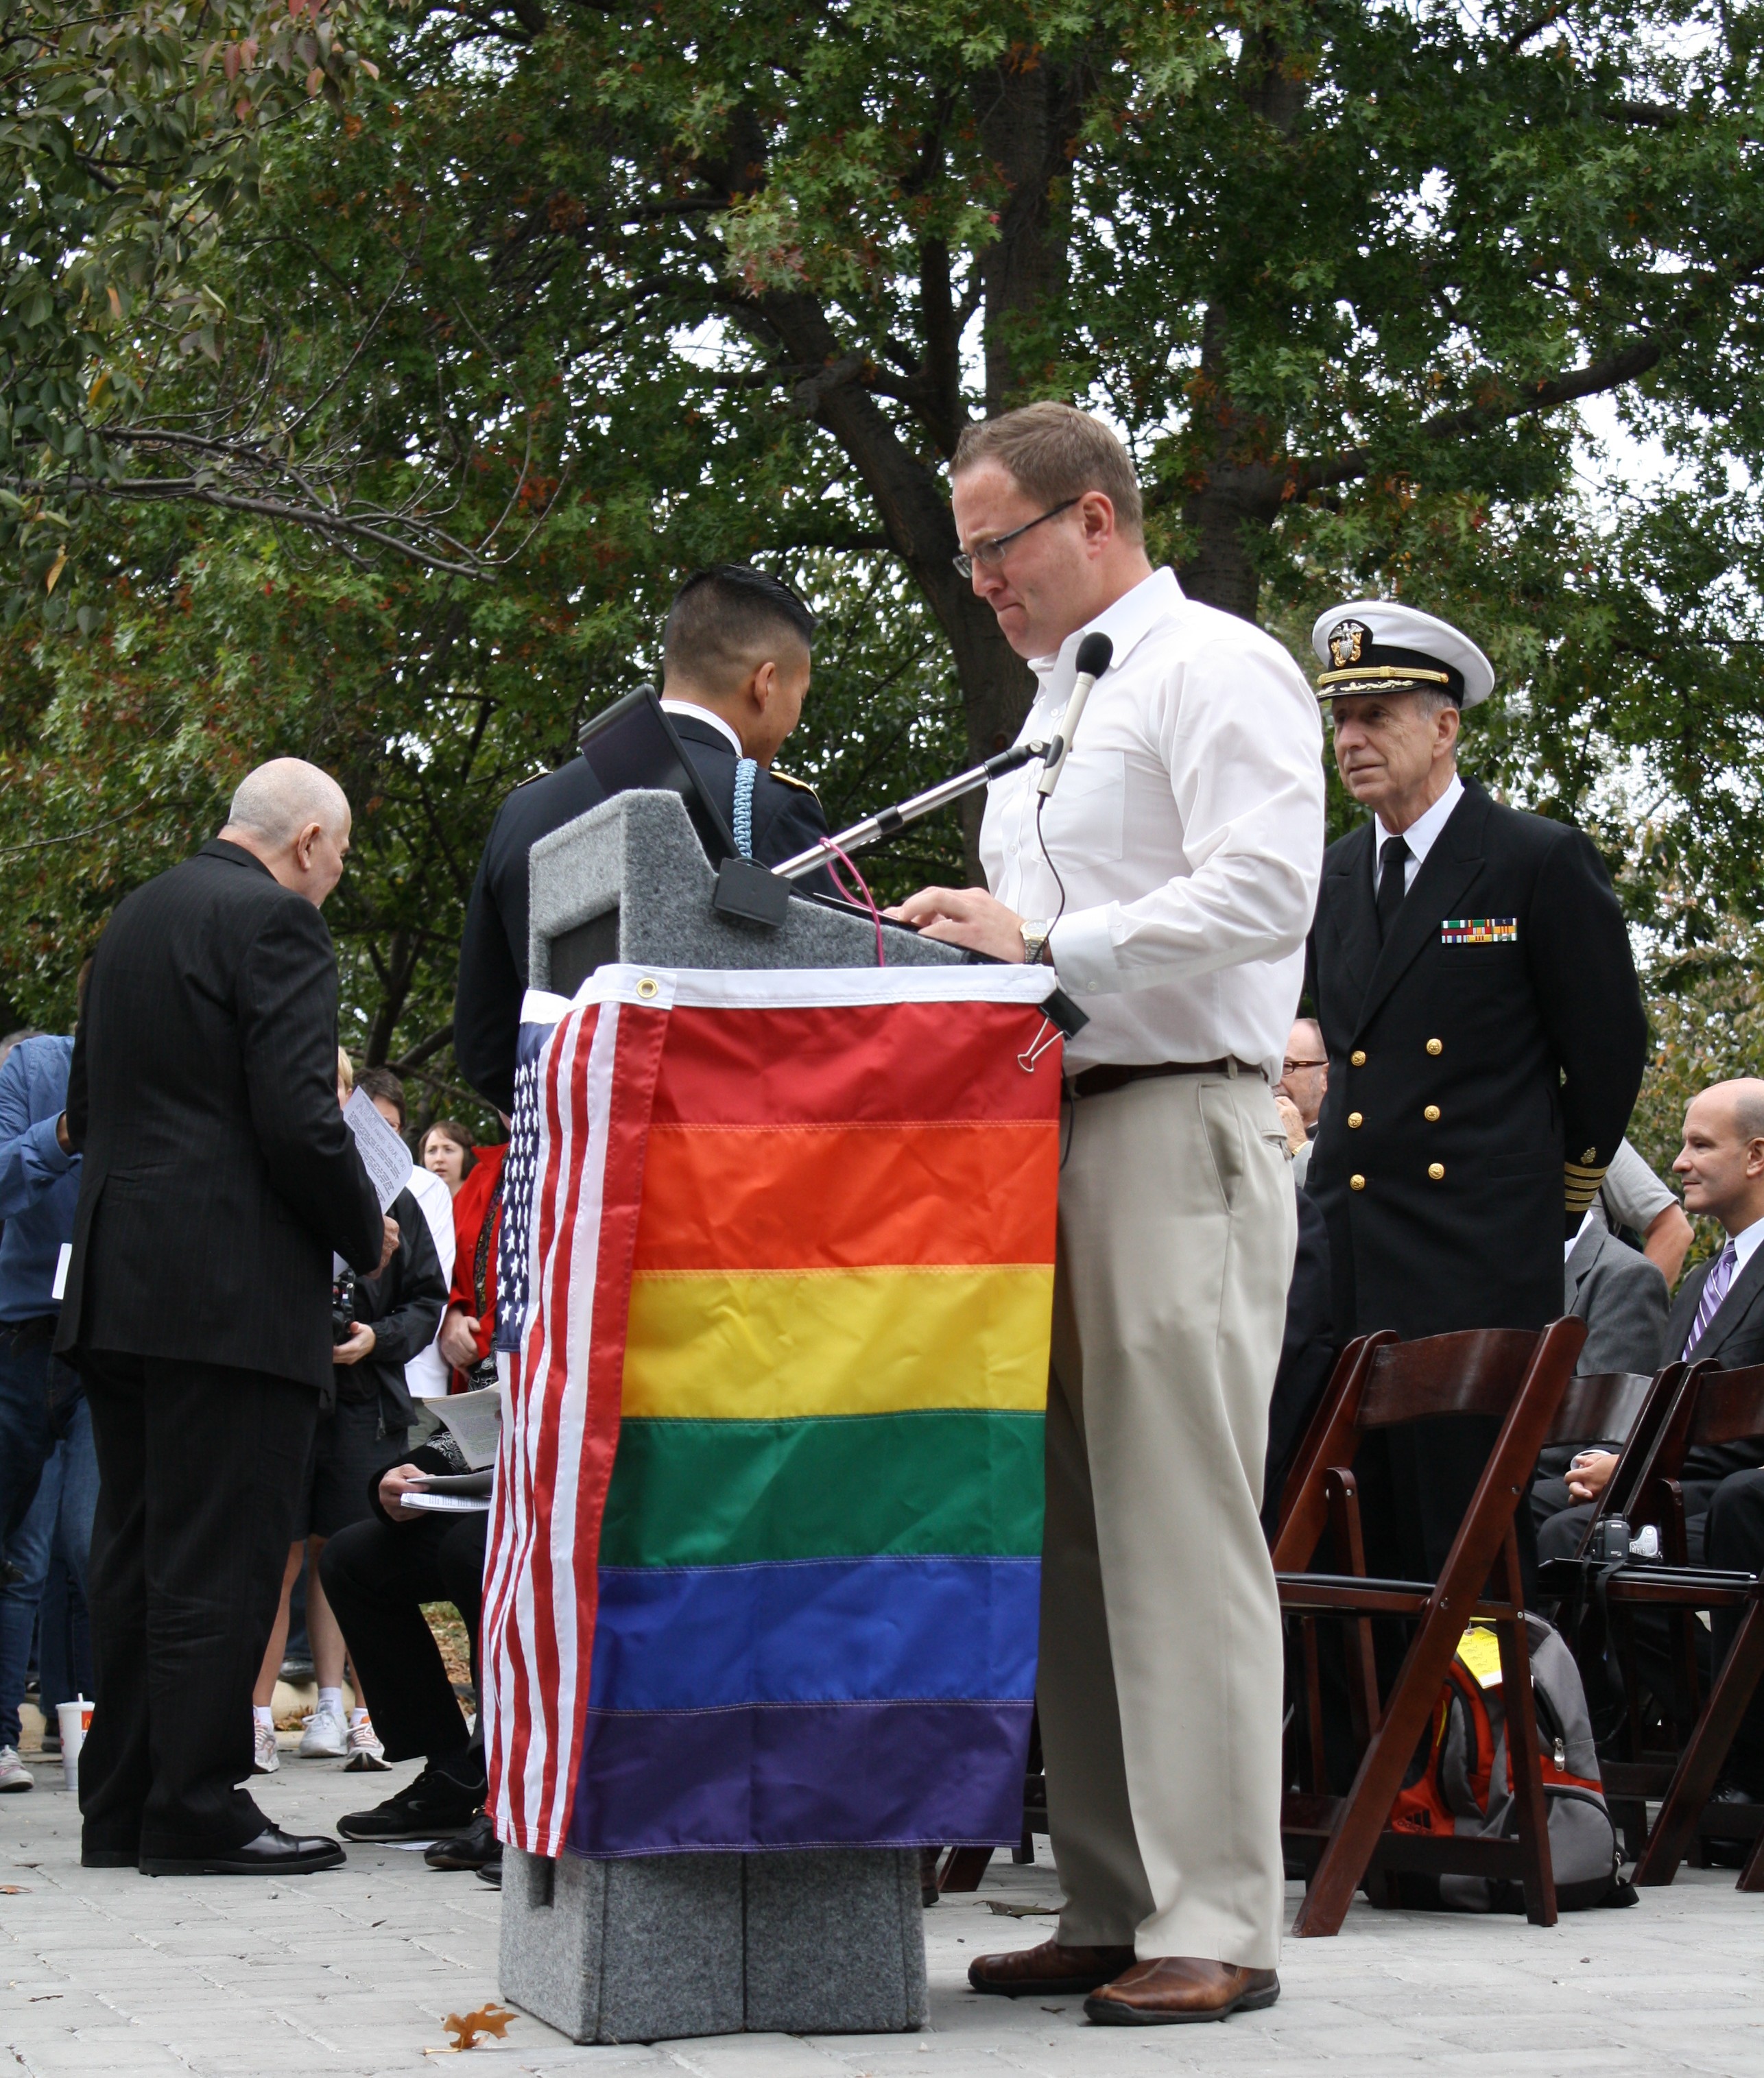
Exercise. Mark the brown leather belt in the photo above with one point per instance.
(1098, 1082)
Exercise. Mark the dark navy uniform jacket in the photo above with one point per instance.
(787, 819)
(1482, 1063)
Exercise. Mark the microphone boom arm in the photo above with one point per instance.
(884, 824)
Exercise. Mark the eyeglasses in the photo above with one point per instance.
(1292, 1067)
(990, 555)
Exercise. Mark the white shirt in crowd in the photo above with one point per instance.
(1745, 1243)
(1631, 1196)
(426, 1374)
(1418, 836)
(1187, 829)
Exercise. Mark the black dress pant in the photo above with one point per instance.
(199, 1469)
(1734, 1542)
(377, 1575)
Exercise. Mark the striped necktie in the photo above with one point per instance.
(1714, 1291)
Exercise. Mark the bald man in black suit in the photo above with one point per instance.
(218, 1178)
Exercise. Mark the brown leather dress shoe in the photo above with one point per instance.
(1049, 1970)
(1172, 1988)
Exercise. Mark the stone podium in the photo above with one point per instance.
(650, 1947)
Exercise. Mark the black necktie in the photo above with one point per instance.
(1393, 882)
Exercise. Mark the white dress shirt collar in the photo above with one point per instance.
(1745, 1243)
(1573, 1241)
(704, 713)
(1127, 623)
(1420, 836)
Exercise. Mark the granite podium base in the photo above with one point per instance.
(661, 1946)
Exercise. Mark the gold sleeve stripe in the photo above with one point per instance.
(1580, 1185)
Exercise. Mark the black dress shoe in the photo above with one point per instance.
(492, 1874)
(476, 1848)
(273, 1853)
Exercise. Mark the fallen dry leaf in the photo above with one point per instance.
(466, 2028)
(13, 1890)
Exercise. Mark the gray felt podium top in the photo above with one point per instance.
(629, 880)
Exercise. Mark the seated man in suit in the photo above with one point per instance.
(1718, 1317)
(1622, 1297)
(736, 667)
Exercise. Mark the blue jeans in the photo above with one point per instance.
(64, 1634)
(66, 1482)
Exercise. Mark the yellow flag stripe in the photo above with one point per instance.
(705, 1345)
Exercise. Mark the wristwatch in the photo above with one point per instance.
(1035, 939)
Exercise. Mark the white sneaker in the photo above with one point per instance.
(14, 1774)
(266, 1755)
(326, 1737)
(366, 1753)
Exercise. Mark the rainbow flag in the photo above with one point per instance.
(765, 1559)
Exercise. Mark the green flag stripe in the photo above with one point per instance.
(958, 1482)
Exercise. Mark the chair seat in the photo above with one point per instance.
(1642, 1581)
(1355, 1594)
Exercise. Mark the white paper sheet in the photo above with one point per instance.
(384, 1154)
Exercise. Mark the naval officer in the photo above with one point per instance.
(1472, 975)
(734, 669)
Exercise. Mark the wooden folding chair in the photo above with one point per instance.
(1518, 1378)
(1710, 1408)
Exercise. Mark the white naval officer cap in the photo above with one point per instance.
(1375, 646)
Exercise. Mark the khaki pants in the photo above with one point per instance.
(1160, 1688)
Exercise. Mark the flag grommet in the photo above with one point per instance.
(647, 987)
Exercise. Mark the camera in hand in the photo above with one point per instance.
(343, 1307)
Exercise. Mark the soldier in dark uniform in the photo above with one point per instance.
(735, 668)
(1471, 971)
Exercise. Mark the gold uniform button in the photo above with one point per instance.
(1355, 1119)
(1431, 1114)
(1436, 1170)
(1356, 1182)
(1436, 1045)
(1357, 1059)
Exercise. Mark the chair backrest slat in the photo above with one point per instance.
(1600, 1407)
(1476, 1371)
(1729, 1408)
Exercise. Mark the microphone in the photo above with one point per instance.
(1095, 652)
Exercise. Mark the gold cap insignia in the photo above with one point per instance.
(1346, 639)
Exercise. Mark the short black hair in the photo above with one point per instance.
(382, 1082)
(723, 619)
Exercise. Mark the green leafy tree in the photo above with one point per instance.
(698, 280)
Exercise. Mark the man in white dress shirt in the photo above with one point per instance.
(1181, 851)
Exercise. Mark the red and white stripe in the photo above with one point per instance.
(561, 1421)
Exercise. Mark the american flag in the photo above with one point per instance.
(589, 1090)
(520, 1171)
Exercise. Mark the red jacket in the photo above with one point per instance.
(477, 1219)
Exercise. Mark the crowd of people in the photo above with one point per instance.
(1437, 1144)
(393, 1332)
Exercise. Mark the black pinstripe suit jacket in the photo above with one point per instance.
(219, 1175)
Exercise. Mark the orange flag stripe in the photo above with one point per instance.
(848, 1197)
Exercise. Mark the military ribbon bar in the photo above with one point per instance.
(1480, 931)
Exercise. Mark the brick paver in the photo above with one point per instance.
(349, 1974)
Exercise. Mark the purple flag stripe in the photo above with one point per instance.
(851, 1774)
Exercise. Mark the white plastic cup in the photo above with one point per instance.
(75, 1720)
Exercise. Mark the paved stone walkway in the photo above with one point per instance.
(348, 1975)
